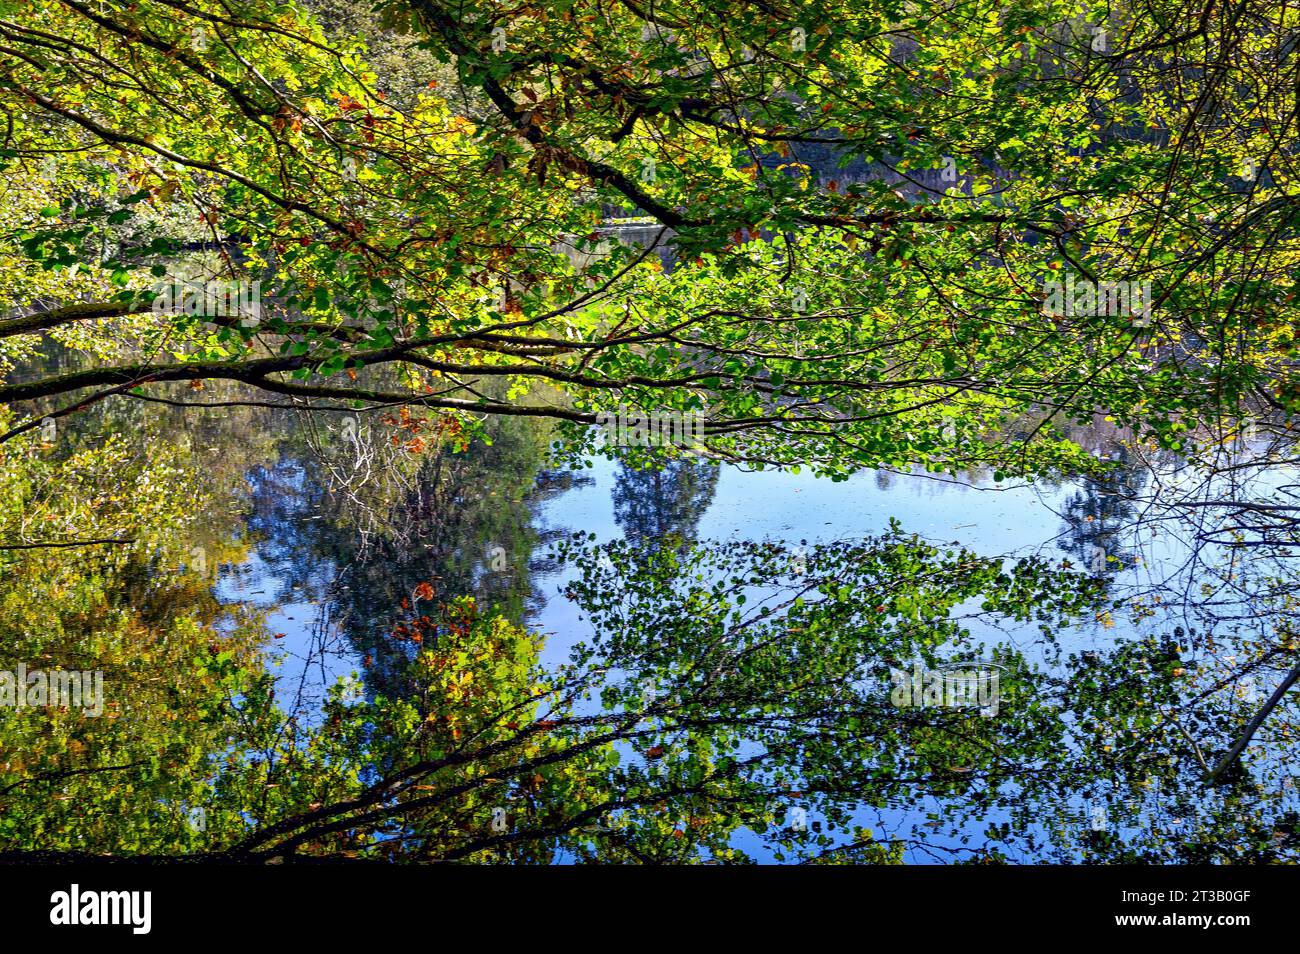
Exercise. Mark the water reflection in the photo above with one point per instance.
(663, 506)
(1097, 514)
(369, 528)
(525, 694)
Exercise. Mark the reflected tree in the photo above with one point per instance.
(1099, 514)
(663, 504)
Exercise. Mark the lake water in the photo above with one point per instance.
(1130, 626)
(1154, 559)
